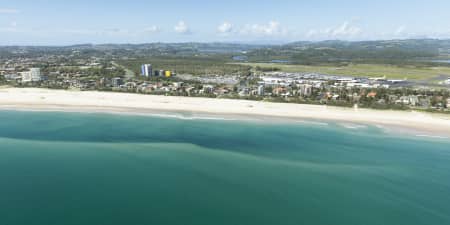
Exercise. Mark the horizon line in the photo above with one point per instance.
(254, 43)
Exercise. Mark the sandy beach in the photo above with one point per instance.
(418, 123)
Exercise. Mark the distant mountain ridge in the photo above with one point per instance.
(302, 52)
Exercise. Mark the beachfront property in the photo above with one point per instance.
(116, 82)
(33, 75)
(305, 89)
(411, 100)
(260, 91)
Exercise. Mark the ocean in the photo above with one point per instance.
(85, 168)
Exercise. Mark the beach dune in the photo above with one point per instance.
(418, 123)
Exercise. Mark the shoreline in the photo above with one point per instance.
(188, 115)
(420, 124)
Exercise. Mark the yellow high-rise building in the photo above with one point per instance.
(168, 73)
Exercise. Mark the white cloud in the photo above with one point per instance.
(182, 28)
(11, 28)
(346, 30)
(79, 31)
(8, 11)
(400, 31)
(152, 29)
(273, 28)
(225, 28)
(343, 31)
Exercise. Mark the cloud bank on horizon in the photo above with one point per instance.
(100, 21)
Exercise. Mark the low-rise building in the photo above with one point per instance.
(279, 91)
(244, 92)
(371, 94)
(305, 89)
(425, 102)
(408, 100)
(221, 91)
(12, 76)
(116, 82)
(208, 89)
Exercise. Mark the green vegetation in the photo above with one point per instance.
(394, 52)
(188, 65)
(360, 70)
(104, 70)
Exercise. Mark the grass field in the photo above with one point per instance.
(364, 70)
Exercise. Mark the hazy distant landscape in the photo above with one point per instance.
(422, 59)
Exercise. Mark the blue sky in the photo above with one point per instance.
(51, 22)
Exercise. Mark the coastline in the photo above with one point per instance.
(32, 99)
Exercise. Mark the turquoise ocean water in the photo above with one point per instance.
(78, 169)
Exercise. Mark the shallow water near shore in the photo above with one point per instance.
(78, 168)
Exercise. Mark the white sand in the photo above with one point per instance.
(42, 99)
